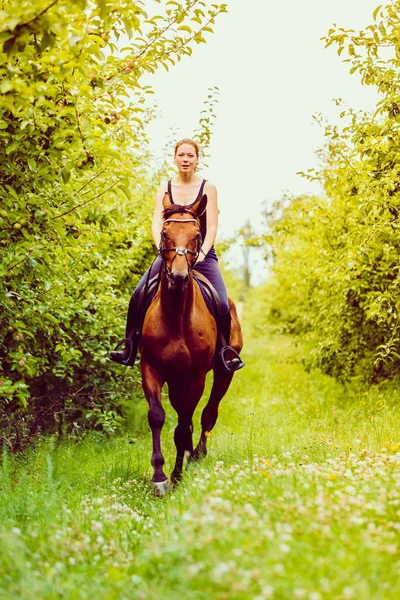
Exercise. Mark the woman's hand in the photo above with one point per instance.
(200, 258)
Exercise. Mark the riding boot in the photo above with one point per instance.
(127, 355)
(229, 358)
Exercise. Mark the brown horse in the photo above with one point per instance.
(178, 343)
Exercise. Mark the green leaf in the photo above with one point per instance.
(126, 191)
(376, 11)
(50, 318)
(65, 174)
(5, 86)
(199, 39)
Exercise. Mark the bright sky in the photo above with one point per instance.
(273, 73)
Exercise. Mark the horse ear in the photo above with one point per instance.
(166, 201)
(200, 207)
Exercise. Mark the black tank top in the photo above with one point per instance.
(203, 218)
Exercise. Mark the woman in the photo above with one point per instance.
(185, 189)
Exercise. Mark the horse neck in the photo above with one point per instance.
(176, 305)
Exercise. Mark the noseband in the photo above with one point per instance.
(180, 250)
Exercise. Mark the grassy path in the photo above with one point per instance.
(299, 498)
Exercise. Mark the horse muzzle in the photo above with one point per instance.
(178, 281)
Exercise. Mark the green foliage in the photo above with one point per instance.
(76, 195)
(336, 273)
(238, 278)
(203, 133)
(233, 278)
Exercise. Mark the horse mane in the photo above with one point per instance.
(175, 209)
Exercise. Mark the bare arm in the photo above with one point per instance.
(212, 218)
(157, 215)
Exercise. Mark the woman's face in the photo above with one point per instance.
(186, 158)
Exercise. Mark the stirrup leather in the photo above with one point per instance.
(233, 364)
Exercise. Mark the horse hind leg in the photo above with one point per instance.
(236, 338)
(184, 443)
(222, 381)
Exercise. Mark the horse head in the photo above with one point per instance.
(181, 240)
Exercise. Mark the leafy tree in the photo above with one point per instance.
(76, 191)
(336, 259)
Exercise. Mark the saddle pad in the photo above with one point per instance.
(208, 299)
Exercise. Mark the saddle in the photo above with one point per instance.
(208, 291)
(210, 294)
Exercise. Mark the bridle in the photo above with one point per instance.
(180, 250)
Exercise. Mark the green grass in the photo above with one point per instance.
(298, 498)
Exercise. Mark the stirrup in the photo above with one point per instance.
(127, 361)
(233, 364)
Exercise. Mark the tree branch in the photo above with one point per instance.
(84, 185)
(21, 26)
(87, 201)
(155, 39)
(10, 268)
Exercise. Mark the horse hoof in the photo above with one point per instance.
(161, 488)
(175, 479)
(197, 455)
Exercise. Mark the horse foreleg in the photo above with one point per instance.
(209, 415)
(152, 384)
(184, 402)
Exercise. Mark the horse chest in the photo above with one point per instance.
(177, 348)
(183, 339)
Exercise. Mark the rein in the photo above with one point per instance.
(180, 250)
